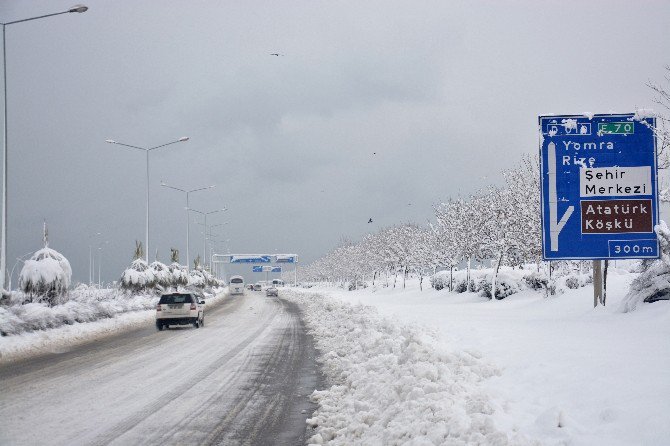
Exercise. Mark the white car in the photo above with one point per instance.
(272, 291)
(180, 309)
(236, 285)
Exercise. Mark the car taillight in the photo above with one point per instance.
(193, 307)
(158, 307)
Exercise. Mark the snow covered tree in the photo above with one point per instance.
(178, 273)
(654, 282)
(161, 273)
(46, 276)
(523, 199)
(138, 276)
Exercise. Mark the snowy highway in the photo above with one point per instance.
(244, 378)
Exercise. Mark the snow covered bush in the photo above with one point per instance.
(196, 278)
(576, 281)
(46, 276)
(461, 286)
(440, 280)
(161, 273)
(138, 277)
(508, 282)
(536, 280)
(653, 283)
(178, 274)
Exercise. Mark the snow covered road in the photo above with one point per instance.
(242, 379)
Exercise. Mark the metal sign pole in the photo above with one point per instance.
(597, 282)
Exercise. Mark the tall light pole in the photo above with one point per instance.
(91, 262)
(3, 244)
(212, 240)
(188, 230)
(204, 233)
(102, 244)
(147, 150)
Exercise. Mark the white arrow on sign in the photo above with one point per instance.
(555, 226)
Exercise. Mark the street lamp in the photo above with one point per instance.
(187, 214)
(91, 261)
(3, 244)
(212, 240)
(147, 150)
(100, 260)
(204, 234)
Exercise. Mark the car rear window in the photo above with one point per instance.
(176, 299)
(236, 280)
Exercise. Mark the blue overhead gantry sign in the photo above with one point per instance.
(599, 187)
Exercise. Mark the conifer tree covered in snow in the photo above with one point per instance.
(178, 273)
(139, 276)
(46, 276)
(197, 277)
(161, 274)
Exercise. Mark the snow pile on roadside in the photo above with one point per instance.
(61, 339)
(85, 305)
(393, 384)
(18, 319)
(37, 328)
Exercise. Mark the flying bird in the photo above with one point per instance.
(276, 54)
(370, 221)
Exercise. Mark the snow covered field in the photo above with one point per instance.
(414, 367)
(522, 370)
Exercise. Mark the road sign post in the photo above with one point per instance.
(599, 187)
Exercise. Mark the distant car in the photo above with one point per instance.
(250, 286)
(236, 285)
(272, 291)
(258, 287)
(180, 309)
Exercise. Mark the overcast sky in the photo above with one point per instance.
(374, 109)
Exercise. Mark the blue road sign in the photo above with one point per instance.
(276, 269)
(599, 187)
(257, 269)
(283, 258)
(250, 259)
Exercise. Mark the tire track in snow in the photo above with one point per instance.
(132, 421)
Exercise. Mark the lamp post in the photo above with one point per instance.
(147, 150)
(212, 240)
(91, 261)
(100, 260)
(3, 244)
(187, 214)
(204, 233)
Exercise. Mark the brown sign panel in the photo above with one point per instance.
(616, 216)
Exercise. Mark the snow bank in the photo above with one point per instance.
(392, 384)
(37, 328)
(569, 373)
